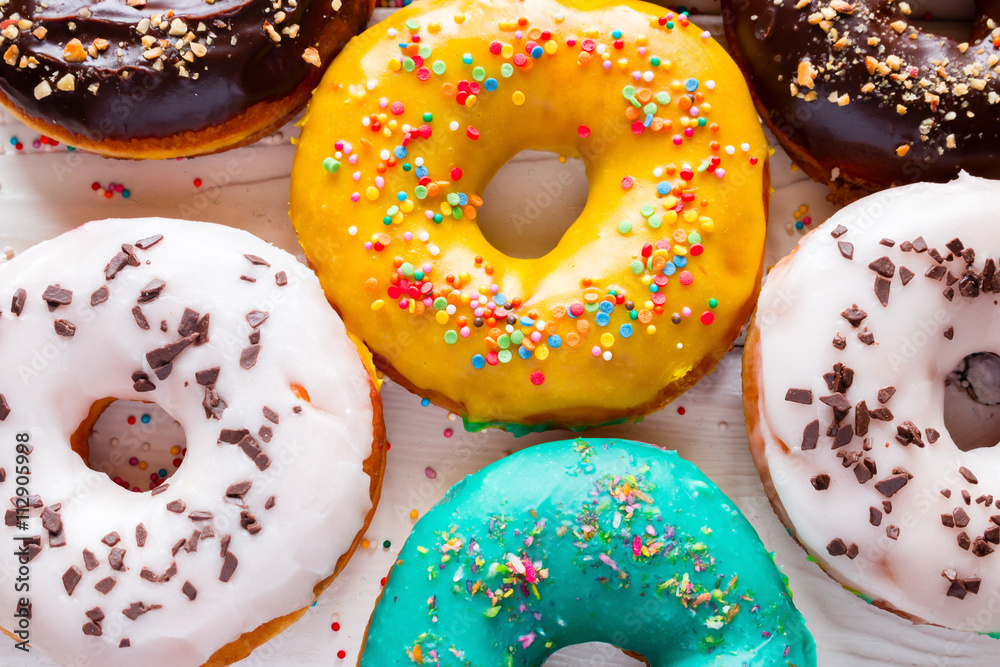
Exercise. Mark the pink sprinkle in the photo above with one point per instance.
(353, 159)
(607, 64)
(685, 311)
(430, 473)
(627, 183)
(448, 433)
(688, 132)
(720, 172)
(383, 102)
(466, 332)
(636, 546)
(536, 336)
(638, 127)
(636, 76)
(642, 50)
(368, 245)
(606, 559)
(407, 236)
(379, 182)
(356, 176)
(526, 640)
(687, 278)
(678, 140)
(596, 351)
(356, 197)
(396, 108)
(706, 35)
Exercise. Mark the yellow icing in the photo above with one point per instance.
(573, 99)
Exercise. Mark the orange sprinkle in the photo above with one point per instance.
(300, 392)
(469, 211)
(572, 339)
(559, 312)
(448, 89)
(583, 58)
(551, 328)
(583, 326)
(476, 200)
(645, 316)
(371, 285)
(631, 112)
(644, 95)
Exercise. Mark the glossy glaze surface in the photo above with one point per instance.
(586, 540)
(644, 292)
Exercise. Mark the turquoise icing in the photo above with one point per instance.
(587, 540)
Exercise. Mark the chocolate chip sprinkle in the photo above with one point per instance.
(140, 318)
(17, 302)
(65, 328)
(90, 560)
(256, 318)
(207, 377)
(905, 275)
(189, 590)
(846, 249)
(882, 289)
(151, 292)
(887, 243)
(854, 315)
(99, 296)
(891, 485)
(229, 564)
(137, 609)
(176, 506)
(4, 408)
(269, 503)
(141, 382)
(111, 539)
(885, 394)
(256, 261)
(265, 433)
(919, 244)
(960, 517)
(280, 279)
(200, 515)
(92, 629)
(56, 296)
(162, 356)
(160, 489)
(125, 643)
(71, 578)
(248, 279)
(967, 474)
(117, 559)
(239, 489)
(820, 482)
(803, 396)
(105, 585)
(949, 333)
(270, 415)
(224, 545)
(248, 357)
(838, 232)
(892, 532)
(51, 521)
(149, 242)
(884, 267)
(874, 516)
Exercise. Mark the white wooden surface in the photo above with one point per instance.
(45, 192)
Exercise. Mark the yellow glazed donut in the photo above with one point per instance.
(646, 290)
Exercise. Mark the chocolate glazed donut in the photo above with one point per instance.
(862, 99)
(156, 79)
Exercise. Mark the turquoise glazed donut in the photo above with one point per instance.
(586, 540)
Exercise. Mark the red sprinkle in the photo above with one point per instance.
(627, 183)
(396, 108)
(681, 411)
(638, 127)
(583, 131)
(197, 182)
(496, 48)
(707, 317)
(473, 133)
(588, 45)
(456, 174)
(341, 654)
(335, 627)
(537, 378)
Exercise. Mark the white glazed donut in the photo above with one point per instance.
(844, 378)
(285, 443)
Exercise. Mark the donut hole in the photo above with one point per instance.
(531, 202)
(593, 653)
(136, 444)
(972, 402)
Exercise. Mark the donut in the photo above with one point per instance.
(862, 99)
(285, 444)
(658, 273)
(131, 80)
(844, 376)
(588, 540)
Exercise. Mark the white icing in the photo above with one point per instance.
(800, 313)
(316, 477)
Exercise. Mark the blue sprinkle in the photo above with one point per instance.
(463, 199)
(467, 58)
(499, 299)
(606, 306)
(524, 353)
(616, 34)
(654, 288)
(663, 188)
(401, 195)
(399, 152)
(421, 172)
(691, 85)
(537, 52)
(145, 419)
(669, 269)
(478, 361)
(162, 472)
(648, 121)
(602, 319)
(625, 331)
(490, 84)
(425, 402)
(555, 341)
(526, 322)
(680, 262)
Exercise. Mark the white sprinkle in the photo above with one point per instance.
(607, 355)
(454, 125)
(745, 147)
(680, 346)
(710, 84)
(540, 325)
(338, 155)
(366, 121)
(647, 76)
(658, 172)
(352, 230)
(601, 48)
(706, 35)
(451, 309)
(730, 150)
(384, 154)
(434, 250)
(391, 32)
(370, 85)
(424, 236)
(419, 162)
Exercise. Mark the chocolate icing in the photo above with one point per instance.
(950, 122)
(126, 91)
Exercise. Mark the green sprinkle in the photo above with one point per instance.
(428, 116)
(650, 108)
(504, 356)
(506, 70)
(420, 191)
(438, 218)
(694, 237)
(712, 303)
(504, 341)
(633, 314)
(702, 122)
(517, 337)
(453, 198)
(636, 267)
(413, 24)
(408, 64)
(386, 544)
(655, 221)
(591, 307)
(451, 336)
(331, 165)
(479, 74)
(663, 98)
(491, 612)
(647, 210)
(407, 269)
(624, 227)
(438, 67)
(424, 51)
(456, 213)
(655, 61)
(393, 210)
(440, 303)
